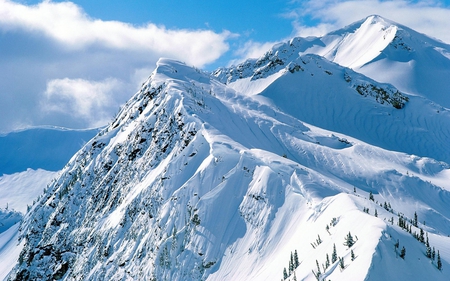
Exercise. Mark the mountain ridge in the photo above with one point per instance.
(197, 179)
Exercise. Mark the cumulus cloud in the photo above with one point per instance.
(251, 49)
(56, 62)
(429, 17)
(79, 98)
(66, 23)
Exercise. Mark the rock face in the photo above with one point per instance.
(196, 179)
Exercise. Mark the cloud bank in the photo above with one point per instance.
(67, 69)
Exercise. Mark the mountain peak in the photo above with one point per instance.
(374, 19)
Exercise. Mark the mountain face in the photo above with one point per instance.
(289, 167)
(322, 93)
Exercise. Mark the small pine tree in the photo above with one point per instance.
(318, 268)
(403, 253)
(428, 253)
(291, 264)
(341, 263)
(439, 262)
(421, 236)
(327, 261)
(334, 254)
(427, 245)
(371, 196)
(349, 242)
(285, 275)
(352, 254)
(376, 213)
(296, 263)
(433, 254)
(415, 219)
(295, 277)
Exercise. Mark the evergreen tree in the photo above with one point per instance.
(352, 254)
(371, 196)
(318, 268)
(341, 263)
(415, 219)
(319, 241)
(376, 213)
(433, 254)
(296, 263)
(403, 253)
(334, 254)
(285, 275)
(291, 264)
(421, 236)
(349, 242)
(397, 244)
(439, 262)
(295, 277)
(428, 253)
(427, 245)
(327, 262)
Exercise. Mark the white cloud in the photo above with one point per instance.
(79, 98)
(66, 23)
(429, 17)
(251, 49)
(53, 54)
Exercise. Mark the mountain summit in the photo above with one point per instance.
(389, 52)
(283, 167)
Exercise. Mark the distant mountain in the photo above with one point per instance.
(390, 52)
(48, 148)
(376, 47)
(327, 95)
(287, 167)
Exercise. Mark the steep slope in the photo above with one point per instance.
(9, 246)
(17, 192)
(195, 181)
(390, 52)
(376, 47)
(341, 100)
(337, 98)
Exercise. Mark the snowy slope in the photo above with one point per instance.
(48, 148)
(197, 181)
(9, 245)
(379, 48)
(326, 95)
(390, 52)
(17, 192)
(21, 189)
(338, 99)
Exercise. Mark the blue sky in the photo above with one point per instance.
(73, 64)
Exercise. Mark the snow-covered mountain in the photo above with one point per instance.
(47, 148)
(29, 159)
(289, 166)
